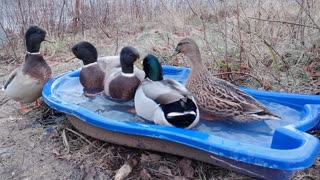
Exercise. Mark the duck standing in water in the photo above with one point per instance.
(25, 83)
(121, 83)
(164, 101)
(216, 98)
(92, 74)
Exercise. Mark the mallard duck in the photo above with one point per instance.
(25, 83)
(122, 82)
(164, 101)
(216, 98)
(92, 74)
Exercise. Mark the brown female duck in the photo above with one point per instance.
(216, 98)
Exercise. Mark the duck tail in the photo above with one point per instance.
(266, 115)
(181, 113)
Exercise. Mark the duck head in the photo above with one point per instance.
(152, 68)
(128, 57)
(86, 52)
(189, 48)
(34, 36)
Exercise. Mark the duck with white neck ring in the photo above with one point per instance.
(25, 83)
(94, 69)
(121, 83)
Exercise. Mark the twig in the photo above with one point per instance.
(98, 22)
(240, 37)
(117, 42)
(201, 19)
(156, 171)
(166, 8)
(232, 72)
(70, 130)
(7, 36)
(4, 101)
(308, 13)
(65, 140)
(22, 16)
(60, 17)
(283, 22)
(225, 31)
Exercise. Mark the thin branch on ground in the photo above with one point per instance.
(82, 137)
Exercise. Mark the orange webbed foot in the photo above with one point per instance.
(37, 103)
(23, 109)
(132, 110)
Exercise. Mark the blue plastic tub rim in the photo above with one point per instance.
(275, 157)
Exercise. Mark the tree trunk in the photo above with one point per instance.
(76, 17)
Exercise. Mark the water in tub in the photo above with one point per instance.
(258, 132)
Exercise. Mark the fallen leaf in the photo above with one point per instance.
(180, 178)
(56, 153)
(126, 169)
(186, 166)
(165, 170)
(266, 85)
(150, 157)
(144, 174)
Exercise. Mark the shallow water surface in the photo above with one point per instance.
(258, 133)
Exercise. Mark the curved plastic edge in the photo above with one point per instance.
(266, 157)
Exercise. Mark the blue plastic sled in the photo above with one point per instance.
(268, 149)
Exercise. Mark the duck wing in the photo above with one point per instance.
(109, 62)
(12, 75)
(227, 100)
(249, 102)
(164, 92)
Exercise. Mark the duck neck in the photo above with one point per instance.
(89, 61)
(127, 69)
(32, 47)
(197, 66)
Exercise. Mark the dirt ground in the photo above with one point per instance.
(32, 147)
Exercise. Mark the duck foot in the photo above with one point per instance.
(23, 109)
(132, 110)
(37, 103)
(92, 94)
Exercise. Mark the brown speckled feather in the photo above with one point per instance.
(216, 96)
(124, 88)
(92, 78)
(36, 67)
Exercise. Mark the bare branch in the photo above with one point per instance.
(7, 36)
(284, 22)
(309, 15)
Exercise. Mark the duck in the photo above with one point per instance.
(94, 70)
(164, 101)
(25, 83)
(218, 99)
(121, 83)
